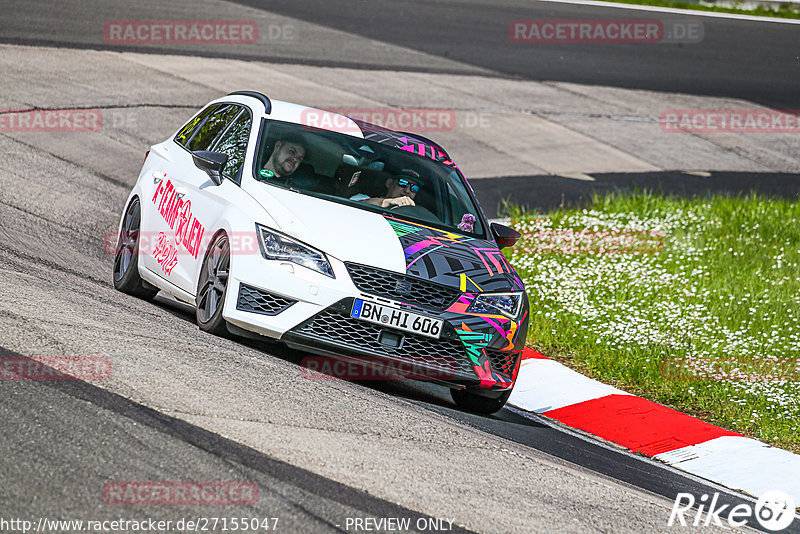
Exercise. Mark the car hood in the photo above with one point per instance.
(380, 240)
(455, 260)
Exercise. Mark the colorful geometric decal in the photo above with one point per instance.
(489, 378)
(404, 141)
(465, 279)
(471, 266)
(474, 342)
(420, 148)
(401, 228)
(455, 260)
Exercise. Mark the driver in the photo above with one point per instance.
(287, 156)
(400, 191)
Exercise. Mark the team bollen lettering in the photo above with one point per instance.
(178, 215)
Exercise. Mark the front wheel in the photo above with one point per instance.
(213, 286)
(126, 258)
(484, 402)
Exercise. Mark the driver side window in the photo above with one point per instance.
(234, 143)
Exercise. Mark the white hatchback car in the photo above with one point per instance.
(343, 238)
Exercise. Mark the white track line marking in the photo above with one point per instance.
(544, 385)
(741, 463)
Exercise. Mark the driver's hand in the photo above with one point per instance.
(397, 202)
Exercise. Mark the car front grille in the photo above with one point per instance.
(404, 288)
(336, 327)
(503, 361)
(256, 300)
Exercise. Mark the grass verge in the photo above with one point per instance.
(694, 304)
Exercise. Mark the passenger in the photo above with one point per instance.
(400, 191)
(286, 157)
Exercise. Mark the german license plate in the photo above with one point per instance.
(396, 318)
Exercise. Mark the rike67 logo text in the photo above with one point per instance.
(773, 511)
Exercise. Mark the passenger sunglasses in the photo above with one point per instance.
(402, 182)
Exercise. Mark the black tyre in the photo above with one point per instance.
(126, 258)
(484, 402)
(213, 286)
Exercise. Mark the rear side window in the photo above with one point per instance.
(234, 144)
(192, 126)
(214, 125)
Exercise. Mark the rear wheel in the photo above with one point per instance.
(485, 402)
(213, 286)
(126, 258)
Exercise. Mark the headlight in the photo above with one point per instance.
(275, 246)
(507, 304)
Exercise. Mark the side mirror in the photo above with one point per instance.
(211, 162)
(505, 236)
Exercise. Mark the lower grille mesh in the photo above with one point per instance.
(503, 361)
(342, 330)
(256, 300)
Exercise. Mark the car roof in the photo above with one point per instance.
(337, 122)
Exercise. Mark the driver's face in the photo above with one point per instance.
(394, 190)
(288, 157)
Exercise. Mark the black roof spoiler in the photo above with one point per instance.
(255, 94)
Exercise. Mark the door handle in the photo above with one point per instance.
(180, 191)
(158, 176)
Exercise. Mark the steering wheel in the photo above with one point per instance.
(417, 212)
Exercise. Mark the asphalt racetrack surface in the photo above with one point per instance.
(184, 406)
(755, 61)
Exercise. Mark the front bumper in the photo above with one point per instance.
(312, 312)
(332, 332)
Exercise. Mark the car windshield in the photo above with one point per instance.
(386, 172)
